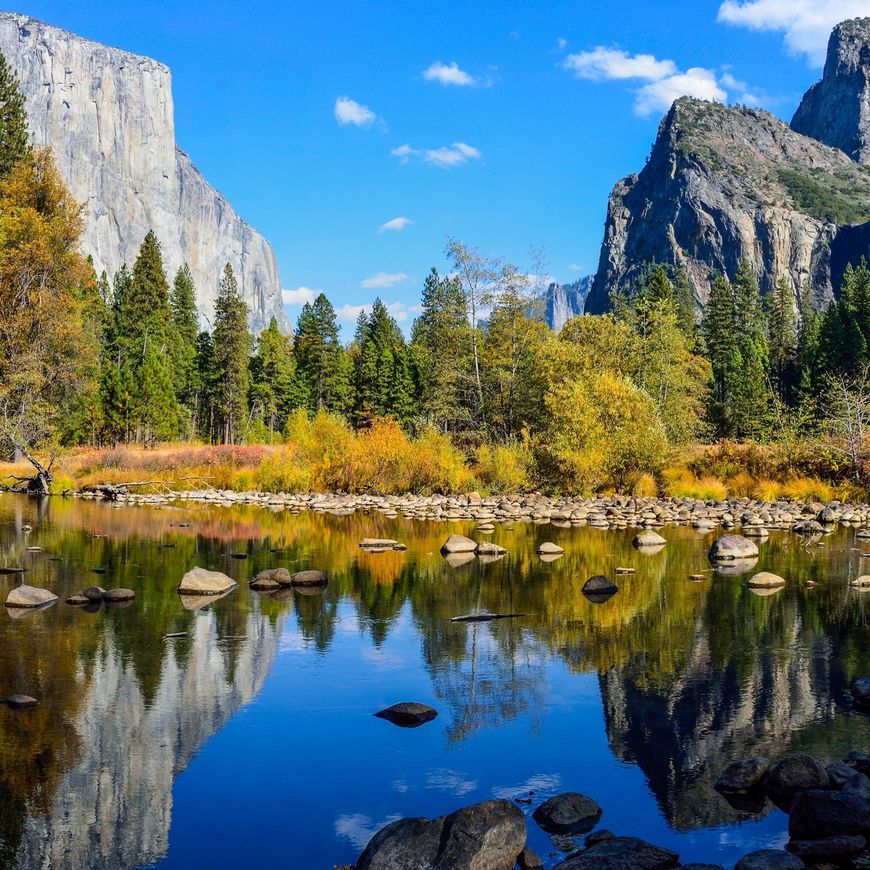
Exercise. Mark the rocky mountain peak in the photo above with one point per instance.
(836, 110)
(724, 183)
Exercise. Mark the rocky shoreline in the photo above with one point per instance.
(755, 518)
(828, 809)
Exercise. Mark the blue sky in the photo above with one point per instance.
(357, 136)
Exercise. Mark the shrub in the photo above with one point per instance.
(504, 468)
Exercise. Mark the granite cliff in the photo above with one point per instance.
(108, 116)
(564, 301)
(727, 183)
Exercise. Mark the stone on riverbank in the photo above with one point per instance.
(200, 581)
(769, 859)
(486, 835)
(731, 547)
(796, 773)
(821, 813)
(569, 813)
(29, 596)
(622, 853)
(742, 776)
(408, 714)
(458, 544)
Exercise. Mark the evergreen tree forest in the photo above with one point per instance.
(123, 359)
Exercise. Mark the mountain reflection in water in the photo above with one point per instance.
(679, 679)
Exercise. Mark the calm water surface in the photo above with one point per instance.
(250, 741)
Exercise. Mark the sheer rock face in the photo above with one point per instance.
(565, 301)
(836, 110)
(108, 116)
(723, 184)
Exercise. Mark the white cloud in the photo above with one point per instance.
(448, 74)
(695, 82)
(575, 268)
(348, 111)
(806, 24)
(664, 82)
(445, 157)
(299, 296)
(602, 64)
(561, 43)
(383, 279)
(397, 224)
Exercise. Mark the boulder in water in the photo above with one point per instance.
(730, 547)
(408, 714)
(487, 835)
(458, 544)
(569, 813)
(29, 596)
(200, 581)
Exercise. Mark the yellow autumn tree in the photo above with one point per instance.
(48, 350)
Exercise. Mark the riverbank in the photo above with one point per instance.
(753, 516)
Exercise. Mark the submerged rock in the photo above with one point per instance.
(408, 714)
(485, 836)
(569, 813)
(199, 581)
(29, 596)
(377, 543)
(20, 702)
(77, 600)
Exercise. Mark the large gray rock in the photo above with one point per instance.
(29, 596)
(732, 547)
(458, 544)
(564, 301)
(836, 110)
(742, 776)
(108, 116)
(698, 204)
(199, 581)
(622, 853)
(769, 859)
(569, 813)
(485, 836)
(408, 714)
(824, 813)
(795, 773)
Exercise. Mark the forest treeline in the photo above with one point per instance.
(481, 380)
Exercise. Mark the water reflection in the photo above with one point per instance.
(691, 674)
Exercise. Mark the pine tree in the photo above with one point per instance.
(752, 404)
(273, 393)
(323, 367)
(185, 328)
(724, 355)
(231, 345)
(204, 402)
(14, 139)
(441, 353)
